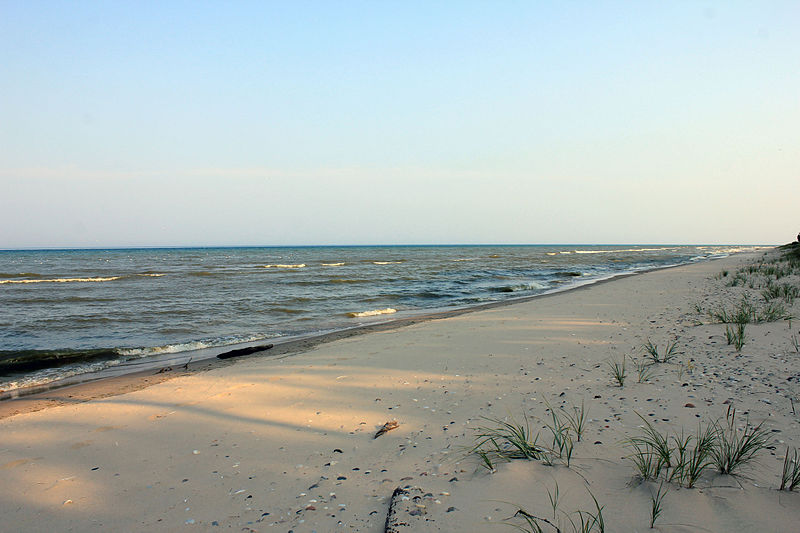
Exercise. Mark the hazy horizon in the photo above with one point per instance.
(374, 245)
(179, 124)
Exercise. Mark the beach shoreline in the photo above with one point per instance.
(73, 322)
(290, 443)
(91, 386)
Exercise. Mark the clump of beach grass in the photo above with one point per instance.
(785, 291)
(790, 477)
(735, 336)
(579, 521)
(562, 445)
(746, 312)
(735, 448)
(693, 464)
(644, 370)
(504, 440)
(651, 451)
(657, 355)
(684, 458)
(577, 419)
(618, 371)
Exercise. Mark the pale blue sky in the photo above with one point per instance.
(298, 122)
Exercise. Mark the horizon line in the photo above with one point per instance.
(404, 245)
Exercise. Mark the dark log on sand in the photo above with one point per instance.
(244, 351)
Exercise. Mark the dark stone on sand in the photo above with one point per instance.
(689, 405)
(244, 351)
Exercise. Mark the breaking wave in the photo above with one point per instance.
(374, 312)
(628, 250)
(97, 279)
(299, 265)
(532, 286)
(60, 280)
(188, 346)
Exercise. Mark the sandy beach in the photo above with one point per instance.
(286, 442)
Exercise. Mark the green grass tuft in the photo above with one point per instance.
(656, 355)
(504, 441)
(735, 336)
(790, 478)
(618, 371)
(657, 501)
(735, 449)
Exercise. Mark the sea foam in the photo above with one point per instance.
(59, 280)
(374, 312)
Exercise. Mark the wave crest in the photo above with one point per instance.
(59, 280)
(532, 286)
(374, 312)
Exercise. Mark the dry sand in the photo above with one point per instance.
(286, 443)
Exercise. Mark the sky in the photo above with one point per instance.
(167, 123)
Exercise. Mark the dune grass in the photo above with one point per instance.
(656, 504)
(504, 440)
(735, 336)
(577, 419)
(618, 371)
(734, 447)
(659, 356)
(684, 458)
(644, 371)
(579, 521)
(790, 477)
(562, 445)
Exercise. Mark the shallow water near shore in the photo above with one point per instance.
(72, 312)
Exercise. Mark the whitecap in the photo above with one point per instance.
(188, 346)
(60, 280)
(374, 312)
(300, 265)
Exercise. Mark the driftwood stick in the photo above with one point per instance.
(388, 426)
